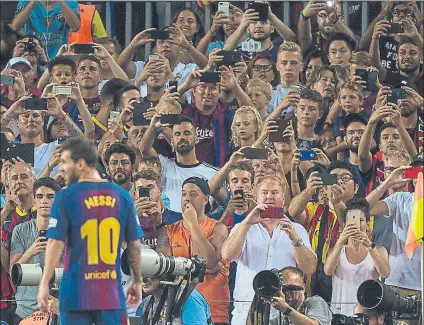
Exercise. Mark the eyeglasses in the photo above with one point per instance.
(264, 68)
(406, 12)
(345, 177)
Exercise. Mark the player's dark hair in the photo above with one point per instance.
(111, 87)
(148, 174)
(243, 165)
(46, 182)
(341, 37)
(340, 164)
(81, 147)
(117, 98)
(357, 204)
(91, 57)
(188, 120)
(62, 60)
(120, 148)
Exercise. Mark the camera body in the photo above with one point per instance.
(339, 319)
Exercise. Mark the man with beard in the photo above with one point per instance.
(259, 31)
(90, 216)
(176, 171)
(391, 136)
(169, 58)
(294, 306)
(120, 161)
(329, 23)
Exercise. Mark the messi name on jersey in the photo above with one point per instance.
(100, 201)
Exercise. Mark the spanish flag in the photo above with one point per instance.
(416, 225)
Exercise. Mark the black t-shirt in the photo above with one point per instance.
(205, 149)
(388, 52)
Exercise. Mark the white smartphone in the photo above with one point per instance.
(354, 216)
(114, 116)
(153, 57)
(224, 7)
(62, 90)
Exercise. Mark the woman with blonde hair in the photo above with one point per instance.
(246, 127)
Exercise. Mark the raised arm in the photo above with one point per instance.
(102, 53)
(249, 16)
(364, 43)
(219, 20)
(21, 18)
(364, 149)
(379, 29)
(304, 31)
(146, 143)
(71, 18)
(282, 29)
(396, 119)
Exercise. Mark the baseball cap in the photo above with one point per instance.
(353, 117)
(204, 187)
(17, 60)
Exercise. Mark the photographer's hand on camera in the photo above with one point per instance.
(279, 302)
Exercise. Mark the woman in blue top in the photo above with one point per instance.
(50, 21)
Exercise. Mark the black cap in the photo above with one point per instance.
(353, 117)
(200, 183)
(418, 160)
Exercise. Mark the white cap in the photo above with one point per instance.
(16, 60)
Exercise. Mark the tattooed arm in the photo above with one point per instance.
(72, 128)
(163, 245)
(134, 259)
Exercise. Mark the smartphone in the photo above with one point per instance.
(272, 213)
(224, 7)
(372, 81)
(229, 58)
(395, 28)
(62, 90)
(134, 320)
(144, 192)
(397, 93)
(138, 113)
(42, 233)
(7, 80)
(171, 119)
(278, 136)
(354, 216)
(160, 34)
(210, 77)
(36, 104)
(307, 155)
(114, 116)
(173, 83)
(329, 179)
(153, 57)
(255, 153)
(261, 8)
(239, 192)
(25, 151)
(412, 173)
(83, 49)
(61, 140)
(362, 73)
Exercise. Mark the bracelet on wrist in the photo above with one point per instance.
(298, 243)
(369, 249)
(287, 311)
(303, 17)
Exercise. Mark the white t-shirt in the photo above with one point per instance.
(278, 95)
(42, 155)
(261, 252)
(181, 72)
(174, 175)
(404, 272)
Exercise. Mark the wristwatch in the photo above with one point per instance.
(299, 243)
(287, 311)
(369, 249)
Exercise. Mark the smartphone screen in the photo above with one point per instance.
(255, 153)
(395, 28)
(7, 80)
(229, 57)
(329, 179)
(239, 192)
(143, 192)
(372, 82)
(261, 8)
(354, 216)
(210, 77)
(160, 34)
(272, 213)
(173, 83)
(83, 49)
(278, 136)
(307, 155)
(171, 119)
(36, 104)
(397, 93)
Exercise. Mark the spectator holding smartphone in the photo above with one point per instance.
(29, 243)
(354, 258)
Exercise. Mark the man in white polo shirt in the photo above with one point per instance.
(185, 165)
(259, 243)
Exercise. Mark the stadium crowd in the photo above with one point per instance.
(212, 130)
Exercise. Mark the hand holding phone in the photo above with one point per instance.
(328, 179)
(272, 213)
(239, 192)
(278, 136)
(7, 80)
(114, 116)
(36, 104)
(210, 77)
(83, 49)
(143, 192)
(255, 153)
(261, 8)
(307, 155)
(412, 173)
(354, 217)
(172, 119)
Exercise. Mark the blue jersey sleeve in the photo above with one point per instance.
(133, 230)
(139, 311)
(73, 5)
(59, 220)
(196, 310)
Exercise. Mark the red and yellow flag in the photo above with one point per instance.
(416, 225)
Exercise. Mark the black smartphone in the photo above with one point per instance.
(362, 73)
(307, 155)
(144, 192)
(138, 113)
(83, 49)
(42, 233)
(229, 58)
(210, 77)
(25, 151)
(36, 104)
(171, 119)
(328, 179)
(160, 34)
(255, 153)
(397, 93)
(261, 8)
(239, 192)
(372, 81)
(395, 28)
(7, 80)
(278, 136)
(173, 83)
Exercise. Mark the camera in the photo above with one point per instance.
(267, 283)
(373, 294)
(339, 319)
(29, 275)
(156, 264)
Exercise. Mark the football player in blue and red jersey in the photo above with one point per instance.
(91, 217)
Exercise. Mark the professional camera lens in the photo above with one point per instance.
(267, 284)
